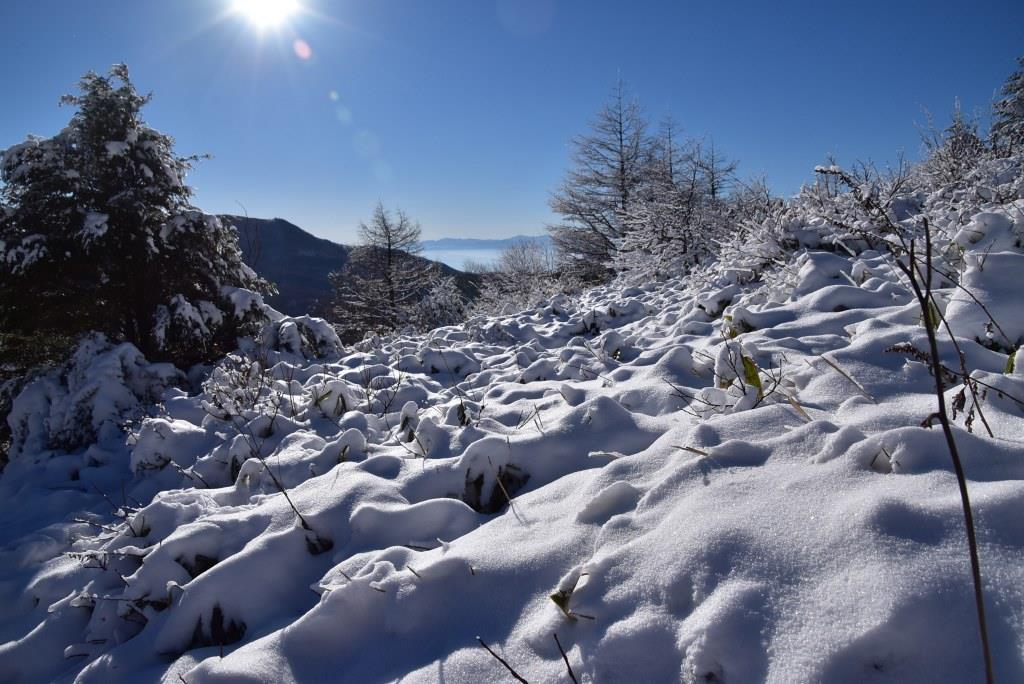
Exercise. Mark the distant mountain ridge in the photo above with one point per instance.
(480, 243)
(299, 263)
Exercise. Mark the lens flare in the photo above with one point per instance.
(302, 49)
(266, 13)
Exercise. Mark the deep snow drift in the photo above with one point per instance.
(722, 478)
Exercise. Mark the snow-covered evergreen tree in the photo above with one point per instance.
(1008, 114)
(97, 233)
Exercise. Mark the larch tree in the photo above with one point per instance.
(680, 207)
(658, 221)
(380, 286)
(598, 192)
(717, 171)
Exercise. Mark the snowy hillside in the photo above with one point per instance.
(722, 478)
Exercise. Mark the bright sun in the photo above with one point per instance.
(266, 13)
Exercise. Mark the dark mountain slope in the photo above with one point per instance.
(291, 258)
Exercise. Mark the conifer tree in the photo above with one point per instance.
(98, 234)
(1008, 115)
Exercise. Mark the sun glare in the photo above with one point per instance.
(266, 13)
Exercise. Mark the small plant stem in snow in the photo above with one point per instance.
(566, 659)
(502, 661)
(925, 300)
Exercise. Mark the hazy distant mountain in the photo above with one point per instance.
(476, 243)
(299, 263)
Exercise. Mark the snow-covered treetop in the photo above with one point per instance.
(98, 233)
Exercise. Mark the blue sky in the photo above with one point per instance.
(460, 111)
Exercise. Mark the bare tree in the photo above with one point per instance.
(951, 153)
(600, 188)
(384, 279)
(680, 208)
(717, 172)
(526, 272)
(527, 258)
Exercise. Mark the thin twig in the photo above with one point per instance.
(502, 661)
(566, 659)
(849, 377)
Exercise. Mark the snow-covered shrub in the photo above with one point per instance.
(953, 152)
(300, 338)
(443, 304)
(87, 400)
(984, 224)
(236, 387)
(164, 440)
(525, 275)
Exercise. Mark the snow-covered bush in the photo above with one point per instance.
(88, 400)
(254, 381)
(442, 304)
(299, 338)
(526, 274)
(952, 153)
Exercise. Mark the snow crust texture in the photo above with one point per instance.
(723, 478)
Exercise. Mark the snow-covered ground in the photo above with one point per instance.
(722, 478)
